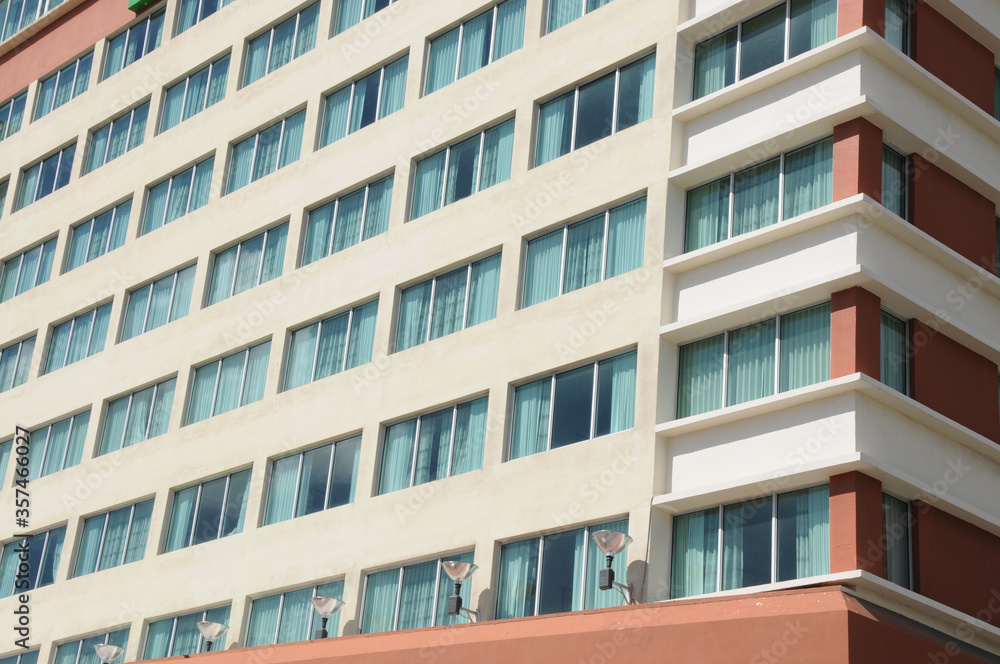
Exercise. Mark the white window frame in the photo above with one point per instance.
(128, 136)
(90, 232)
(146, 20)
(192, 524)
(335, 203)
(149, 286)
(186, 82)
(48, 432)
(104, 534)
(20, 265)
(119, 445)
(79, 642)
(170, 186)
(298, 477)
(270, 44)
(350, 106)
(58, 74)
(40, 164)
(218, 370)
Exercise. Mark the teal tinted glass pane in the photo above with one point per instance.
(699, 387)
(715, 63)
(763, 42)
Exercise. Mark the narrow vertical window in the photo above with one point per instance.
(281, 44)
(897, 24)
(250, 263)
(228, 383)
(896, 522)
(139, 416)
(895, 184)
(894, 352)
(98, 235)
(27, 270)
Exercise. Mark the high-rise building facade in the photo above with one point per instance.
(303, 298)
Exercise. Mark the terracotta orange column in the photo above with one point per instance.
(857, 160)
(856, 539)
(855, 341)
(854, 14)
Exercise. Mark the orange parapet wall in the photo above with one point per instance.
(37, 51)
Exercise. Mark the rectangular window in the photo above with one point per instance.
(194, 11)
(897, 24)
(208, 511)
(761, 42)
(289, 617)
(15, 363)
(338, 343)
(68, 83)
(895, 181)
(312, 481)
(352, 218)
(3, 195)
(228, 383)
(593, 111)
(58, 446)
(352, 12)
(448, 303)
(434, 446)
(896, 522)
(12, 114)
(783, 187)
(173, 637)
(158, 303)
(178, 195)
(82, 650)
(281, 44)
(266, 151)
(114, 538)
(5, 449)
(557, 573)
(139, 416)
(19, 14)
(491, 35)
(996, 97)
(562, 12)
(755, 361)
(471, 165)
(99, 235)
(411, 597)
(248, 264)
(78, 338)
(124, 133)
(30, 657)
(41, 179)
(894, 352)
(195, 93)
(596, 399)
(30, 268)
(765, 540)
(364, 101)
(585, 252)
(129, 45)
(44, 552)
